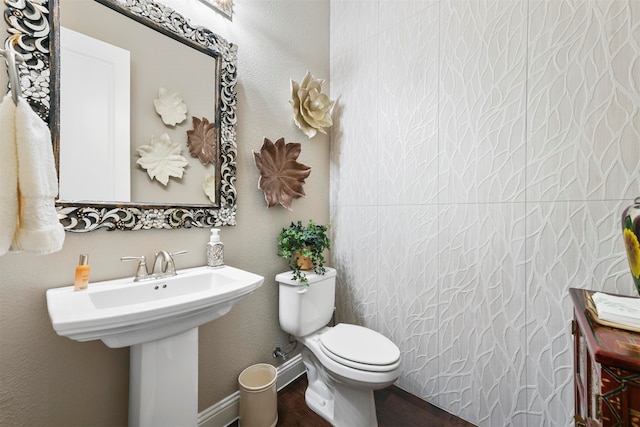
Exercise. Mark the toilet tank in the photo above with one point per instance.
(306, 309)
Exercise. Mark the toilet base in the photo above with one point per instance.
(340, 404)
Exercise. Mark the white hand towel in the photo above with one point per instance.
(8, 174)
(39, 229)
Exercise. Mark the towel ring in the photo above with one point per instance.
(13, 58)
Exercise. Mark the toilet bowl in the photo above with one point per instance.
(344, 363)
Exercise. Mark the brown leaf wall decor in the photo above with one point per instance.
(202, 140)
(281, 176)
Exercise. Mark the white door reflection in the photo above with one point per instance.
(95, 148)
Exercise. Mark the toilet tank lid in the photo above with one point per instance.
(286, 277)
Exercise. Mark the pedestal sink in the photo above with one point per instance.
(159, 319)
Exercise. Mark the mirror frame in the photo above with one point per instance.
(33, 25)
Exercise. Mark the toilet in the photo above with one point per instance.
(344, 363)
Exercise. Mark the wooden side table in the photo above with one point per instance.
(606, 370)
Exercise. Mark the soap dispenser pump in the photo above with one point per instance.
(215, 250)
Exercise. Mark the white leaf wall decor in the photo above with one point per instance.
(161, 159)
(209, 187)
(170, 107)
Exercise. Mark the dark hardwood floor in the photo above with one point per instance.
(394, 407)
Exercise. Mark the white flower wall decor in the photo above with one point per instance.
(161, 159)
(311, 107)
(209, 187)
(170, 107)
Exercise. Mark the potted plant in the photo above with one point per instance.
(303, 247)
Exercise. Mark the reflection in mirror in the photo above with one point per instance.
(148, 211)
(94, 117)
(156, 61)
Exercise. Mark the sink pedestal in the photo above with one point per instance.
(159, 320)
(163, 384)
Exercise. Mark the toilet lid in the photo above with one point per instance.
(360, 347)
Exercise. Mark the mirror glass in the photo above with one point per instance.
(164, 52)
(91, 66)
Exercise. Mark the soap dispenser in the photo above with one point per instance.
(215, 250)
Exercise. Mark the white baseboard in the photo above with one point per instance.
(289, 371)
(222, 413)
(226, 411)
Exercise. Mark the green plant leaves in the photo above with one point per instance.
(310, 241)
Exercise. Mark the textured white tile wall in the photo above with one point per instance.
(482, 153)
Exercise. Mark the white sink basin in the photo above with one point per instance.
(123, 313)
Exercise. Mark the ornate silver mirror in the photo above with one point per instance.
(35, 27)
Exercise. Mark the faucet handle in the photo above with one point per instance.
(171, 267)
(141, 272)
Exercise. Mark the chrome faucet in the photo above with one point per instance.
(164, 265)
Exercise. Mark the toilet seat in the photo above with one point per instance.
(360, 348)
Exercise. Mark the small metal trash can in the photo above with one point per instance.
(258, 396)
